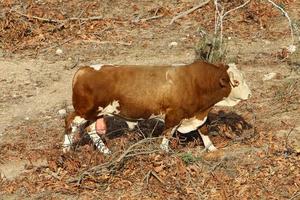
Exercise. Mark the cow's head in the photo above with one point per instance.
(239, 88)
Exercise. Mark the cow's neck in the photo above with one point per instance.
(210, 89)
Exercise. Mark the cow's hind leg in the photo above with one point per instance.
(73, 125)
(92, 132)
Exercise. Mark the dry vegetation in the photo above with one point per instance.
(258, 141)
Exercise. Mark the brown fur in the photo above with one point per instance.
(178, 92)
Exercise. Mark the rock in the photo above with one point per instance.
(58, 51)
(173, 44)
(269, 76)
(291, 48)
(70, 108)
(62, 113)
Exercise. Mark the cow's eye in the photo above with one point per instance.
(236, 82)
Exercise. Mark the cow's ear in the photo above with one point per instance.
(223, 82)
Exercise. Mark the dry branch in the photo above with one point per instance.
(38, 18)
(56, 21)
(107, 42)
(109, 166)
(155, 175)
(151, 18)
(236, 8)
(182, 14)
(287, 16)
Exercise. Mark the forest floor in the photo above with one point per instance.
(258, 140)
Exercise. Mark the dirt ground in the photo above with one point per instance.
(258, 140)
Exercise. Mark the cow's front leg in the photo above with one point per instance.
(92, 132)
(206, 141)
(166, 139)
(73, 125)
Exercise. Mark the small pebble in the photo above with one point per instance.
(269, 76)
(173, 44)
(59, 51)
(62, 113)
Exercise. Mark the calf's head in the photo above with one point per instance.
(239, 88)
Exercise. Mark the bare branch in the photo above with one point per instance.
(151, 18)
(56, 21)
(236, 8)
(287, 16)
(182, 14)
(38, 18)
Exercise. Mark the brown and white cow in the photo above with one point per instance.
(181, 96)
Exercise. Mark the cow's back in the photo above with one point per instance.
(140, 91)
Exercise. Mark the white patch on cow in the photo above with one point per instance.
(160, 117)
(97, 140)
(97, 66)
(239, 92)
(188, 125)
(110, 109)
(207, 142)
(131, 125)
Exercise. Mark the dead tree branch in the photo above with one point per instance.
(56, 21)
(287, 16)
(182, 14)
(38, 18)
(109, 166)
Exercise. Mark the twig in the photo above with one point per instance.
(59, 21)
(39, 18)
(236, 8)
(142, 153)
(151, 18)
(113, 163)
(216, 166)
(147, 176)
(133, 146)
(182, 14)
(296, 195)
(155, 175)
(124, 155)
(287, 16)
(85, 18)
(107, 42)
(75, 64)
(60, 44)
(287, 147)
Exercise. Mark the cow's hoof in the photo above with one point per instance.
(66, 149)
(211, 148)
(106, 151)
(103, 149)
(165, 147)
